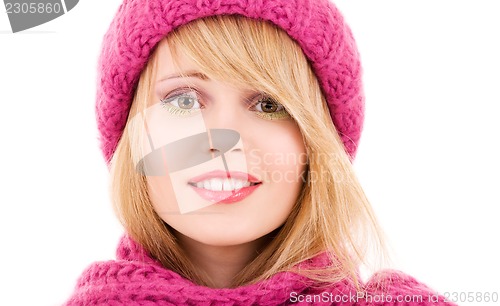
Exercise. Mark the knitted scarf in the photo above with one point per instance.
(136, 279)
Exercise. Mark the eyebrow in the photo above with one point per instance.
(185, 74)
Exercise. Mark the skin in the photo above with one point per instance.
(222, 238)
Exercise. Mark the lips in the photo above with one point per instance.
(224, 187)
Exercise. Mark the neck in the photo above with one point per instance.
(221, 263)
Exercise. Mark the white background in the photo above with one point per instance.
(428, 159)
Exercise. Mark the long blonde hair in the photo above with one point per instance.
(332, 212)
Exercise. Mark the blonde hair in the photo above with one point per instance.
(331, 214)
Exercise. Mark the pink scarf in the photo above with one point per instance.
(136, 279)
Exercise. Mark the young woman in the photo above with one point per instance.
(230, 128)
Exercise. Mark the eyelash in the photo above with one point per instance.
(173, 96)
(281, 114)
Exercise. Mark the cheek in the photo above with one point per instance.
(162, 195)
(281, 162)
(281, 159)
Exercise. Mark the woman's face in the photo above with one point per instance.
(224, 165)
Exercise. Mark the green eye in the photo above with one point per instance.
(181, 104)
(186, 102)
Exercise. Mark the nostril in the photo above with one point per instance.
(221, 141)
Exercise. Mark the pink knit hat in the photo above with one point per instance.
(316, 25)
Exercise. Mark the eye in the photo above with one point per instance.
(182, 102)
(268, 105)
(267, 108)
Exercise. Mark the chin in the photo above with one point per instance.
(221, 235)
(225, 237)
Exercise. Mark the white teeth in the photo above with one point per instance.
(238, 184)
(228, 185)
(216, 184)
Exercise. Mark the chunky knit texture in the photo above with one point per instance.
(316, 25)
(137, 279)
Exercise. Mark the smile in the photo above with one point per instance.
(216, 184)
(224, 187)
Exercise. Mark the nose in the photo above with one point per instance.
(222, 141)
(223, 121)
(226, 109)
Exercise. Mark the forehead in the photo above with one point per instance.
(168, 65)
(172, 61)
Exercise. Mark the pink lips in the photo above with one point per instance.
(226, 197)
